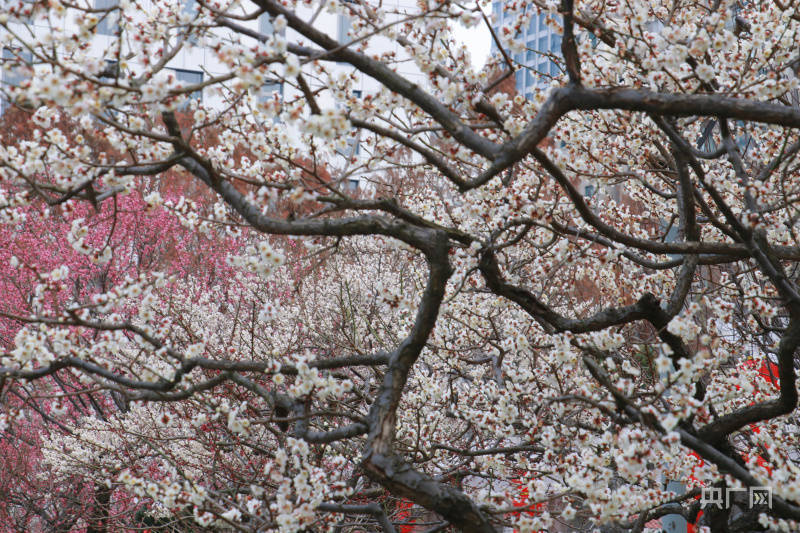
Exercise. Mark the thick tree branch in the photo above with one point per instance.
(370, 508)
(786, 402)
(575, 98)
(388, 78)
(379, 462)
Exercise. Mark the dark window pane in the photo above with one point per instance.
(110, 71)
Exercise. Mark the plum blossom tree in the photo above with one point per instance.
(206, 328)
(112, 246)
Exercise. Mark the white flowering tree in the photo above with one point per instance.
(532, 314)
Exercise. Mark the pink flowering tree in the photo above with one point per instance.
(501, 311)
(107, 244)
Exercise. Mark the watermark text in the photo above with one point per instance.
(722, 497)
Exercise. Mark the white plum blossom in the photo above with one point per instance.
(345, 266)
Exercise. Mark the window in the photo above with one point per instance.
(589, 190)
(13, 69)
(614, 192)
(745, 142)
(109, 21)
(522, 78)
(110, 71)
(530, 80)
(543, 44)
(270, 88)
(190, 77)
(13, 61)
(706, 139)
(671, 234)
(533, 27)
(109, 74)
(555, 44)
(353, 184)
(743, 139)
(265, 26)
(189, 7)
(541, 41)
(353, 146)
(188, 11)
(343, 26)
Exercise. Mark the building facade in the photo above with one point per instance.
(197, 61)
(537, 64)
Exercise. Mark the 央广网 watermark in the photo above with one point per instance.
(715, 496)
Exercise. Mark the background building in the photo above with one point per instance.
(195, 62)
(535, 66)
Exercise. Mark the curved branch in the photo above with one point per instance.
(430, 156)
(786, 402)
(379, 462)
(551, 320)
(575, 98)
(371, 509)
(387, 77)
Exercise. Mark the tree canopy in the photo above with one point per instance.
(500, 311)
